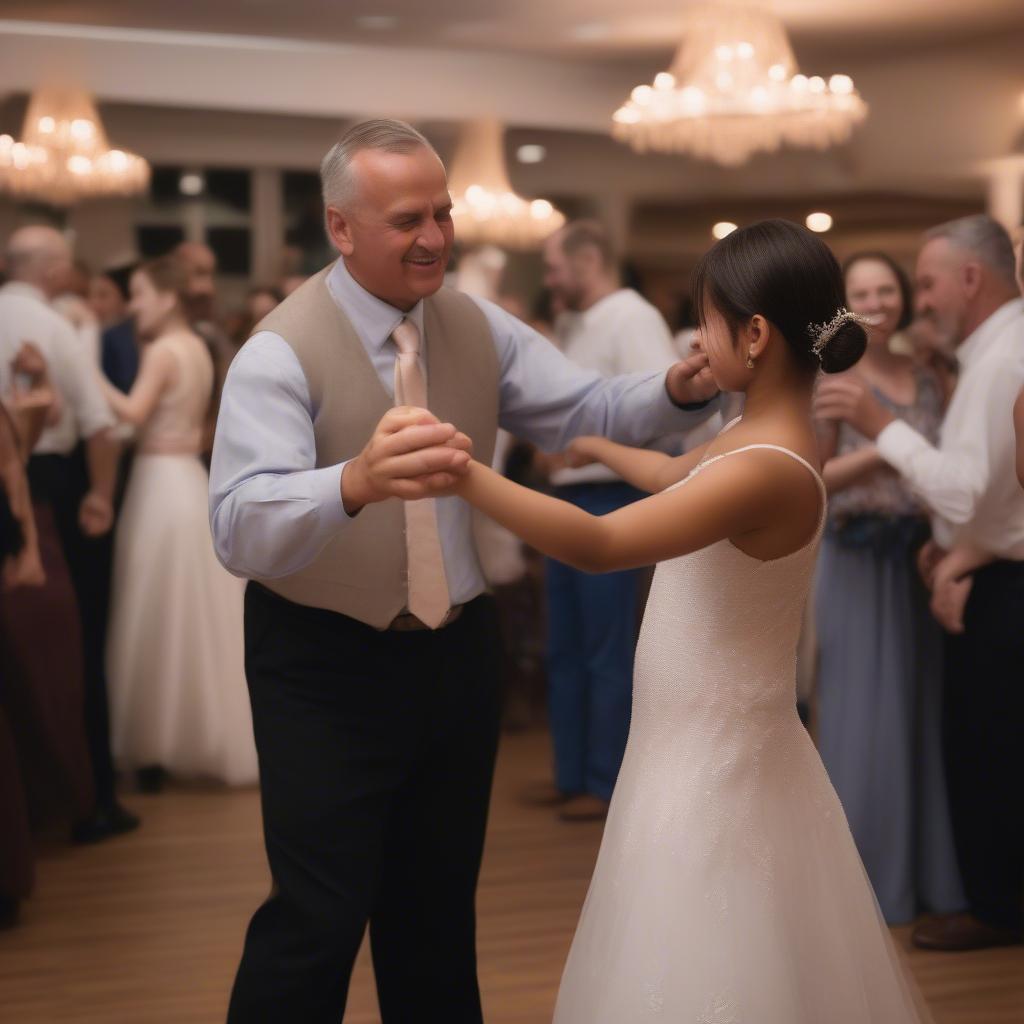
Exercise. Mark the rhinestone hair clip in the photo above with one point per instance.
(822, 334)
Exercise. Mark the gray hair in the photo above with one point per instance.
(390, 136)
(984, 237)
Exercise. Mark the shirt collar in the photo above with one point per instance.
(981, 338)
(372, 318)
(24, 288)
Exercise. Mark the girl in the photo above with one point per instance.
(175, 658)
(728, 887)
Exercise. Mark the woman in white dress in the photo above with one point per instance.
(728, 889)
(175, 658)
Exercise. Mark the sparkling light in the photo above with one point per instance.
(531, 153)
(723, 228)
(733, 90)
(820, 222)
(63, 155)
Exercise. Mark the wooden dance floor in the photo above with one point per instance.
(146, 929)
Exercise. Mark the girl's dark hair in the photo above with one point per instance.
(788, 275)
(906, 291)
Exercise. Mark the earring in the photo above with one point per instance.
(750, 362)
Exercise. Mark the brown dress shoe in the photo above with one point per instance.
(960, 932)
(584, 808)
(544, 794)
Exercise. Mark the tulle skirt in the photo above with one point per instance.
(175, 654)
(728, 890)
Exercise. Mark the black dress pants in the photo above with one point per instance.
(984, 737)
(376, 754)
(61, 482)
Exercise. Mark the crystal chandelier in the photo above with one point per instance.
(734, 90)
(63, 154)
(484, 207)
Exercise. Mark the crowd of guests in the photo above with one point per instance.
(121, 637)
(120, 633)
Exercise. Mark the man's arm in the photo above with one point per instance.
(949, 481)
(548, 400)
(271, 509)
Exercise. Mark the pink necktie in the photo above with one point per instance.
(428, 586)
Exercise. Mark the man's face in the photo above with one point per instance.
(942, 294)
(396, 231)
(59, 268)
(200, 286)
(560, 274)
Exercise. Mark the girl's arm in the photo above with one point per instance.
(156, 371)
(736, 497)
(845, 471)
(646, 470)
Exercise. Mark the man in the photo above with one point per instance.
(370, 644)
(592, 617)
(75, 481)
(966, 289)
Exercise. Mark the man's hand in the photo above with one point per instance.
(581, 452)
(30, 363)
(95, 515)
(849, 399)
(24, 569)
(928, 559)
(949, 598)
(689, 381)
(410, 455)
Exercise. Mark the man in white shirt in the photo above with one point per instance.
(77, 483)
(966, 288)
(592, 618)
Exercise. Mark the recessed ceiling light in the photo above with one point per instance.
(377, 22)
(819, 222)
(531, 153)
(590, 31)
(723, 228)
(191, 184)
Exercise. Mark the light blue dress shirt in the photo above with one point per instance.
(272, 511)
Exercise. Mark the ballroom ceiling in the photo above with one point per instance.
(574, 28)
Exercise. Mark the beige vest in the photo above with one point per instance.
(362, 570)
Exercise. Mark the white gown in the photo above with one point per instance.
(175, 655)
(728, 889)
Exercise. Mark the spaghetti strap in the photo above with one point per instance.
(786, 451)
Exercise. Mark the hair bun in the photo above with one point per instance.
(844, 348)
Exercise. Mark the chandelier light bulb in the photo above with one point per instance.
(723, 228)
(664, 80)
(531, 153)
(820, 222)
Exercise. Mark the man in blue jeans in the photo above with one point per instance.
(592, 618)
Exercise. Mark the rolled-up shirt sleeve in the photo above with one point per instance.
(549, 400)
(949, 482)
(271, 510)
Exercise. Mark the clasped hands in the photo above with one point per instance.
(413, 455)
